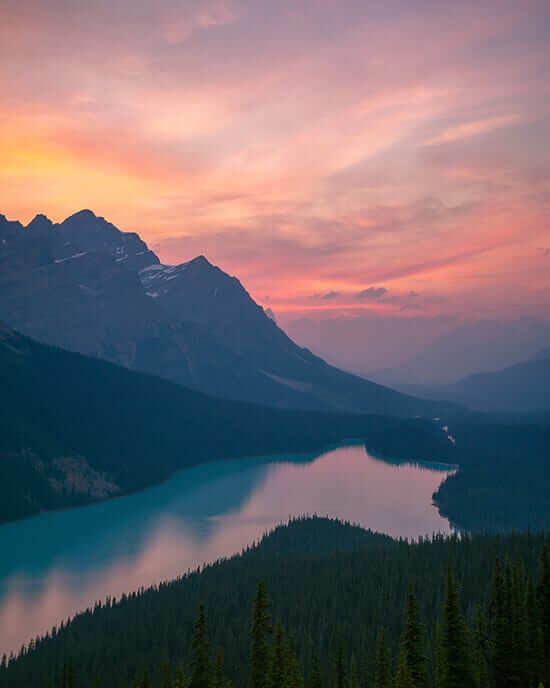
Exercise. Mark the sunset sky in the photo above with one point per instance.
(337, 156)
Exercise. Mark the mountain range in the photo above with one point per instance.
(86, 286)
(471, 348)
(523, 387)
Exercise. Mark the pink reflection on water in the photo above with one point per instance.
(346, 483)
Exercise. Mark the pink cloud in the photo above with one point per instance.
(309, 149)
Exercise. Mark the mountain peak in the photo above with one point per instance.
(9, 228)
(39, 221)
(200, 260)
(85, 213)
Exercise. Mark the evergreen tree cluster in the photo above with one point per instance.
(470, 612)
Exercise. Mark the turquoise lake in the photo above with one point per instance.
(56, 564)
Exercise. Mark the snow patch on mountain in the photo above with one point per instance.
(75, 255)
(155, 278)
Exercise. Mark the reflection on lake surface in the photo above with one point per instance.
(59, 563)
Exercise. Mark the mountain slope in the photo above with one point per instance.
(524, 387)
(75, 429)
(201, 293)
(472, 348)
(88, 287)
(59, 287)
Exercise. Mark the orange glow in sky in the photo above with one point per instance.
(335, 156)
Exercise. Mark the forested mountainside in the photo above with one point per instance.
(86, 286)
(78, 429)
(503, 478)
(337, 607)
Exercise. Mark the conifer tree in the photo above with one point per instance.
(499, 629)
(68, 680)
(403, 676)
(293, 675)
(520, 628)
(315, 680)
(479, 650)
(383, 671)
(534, 639)
(166, 674)
(179, 677)
(454, 641)
(278, 658)
(340, 667)
(412, 642)
(353, 673)
(219, 678)
(200, 653)
(438, 659)
(543, 594)
(260, 629)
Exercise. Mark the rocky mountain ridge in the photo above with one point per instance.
(86, 286)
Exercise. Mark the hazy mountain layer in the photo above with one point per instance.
(474, 347)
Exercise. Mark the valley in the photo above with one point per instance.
(200, 515)
(159, 420)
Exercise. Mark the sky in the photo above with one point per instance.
(345, 159)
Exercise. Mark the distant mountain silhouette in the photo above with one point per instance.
(518, 389)
(524, 387)
(474, 347)
(86, 286)
(540, 355)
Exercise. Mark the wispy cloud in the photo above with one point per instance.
(329, 296)
(290, 144)
(371, 293)
(475, 128)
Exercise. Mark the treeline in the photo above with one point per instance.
(506, 646)
(503, 482)
(135, 428)
(347, 609)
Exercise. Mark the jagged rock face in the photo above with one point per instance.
(91, 233)
(76, 285)
(221, 305)
(79, 233)
(86, 286)
(83, 303)
(58, 286)
(8, 229)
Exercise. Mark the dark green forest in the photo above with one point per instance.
(503, 481)
(134, 429)
(319, 603)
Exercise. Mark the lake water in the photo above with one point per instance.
(58, 563)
